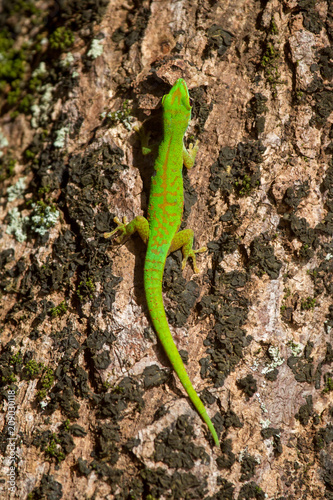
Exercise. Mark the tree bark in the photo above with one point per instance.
(91, 406)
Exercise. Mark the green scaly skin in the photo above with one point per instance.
(160, 231)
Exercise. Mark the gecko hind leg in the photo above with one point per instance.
(184, 240)
(139, 224)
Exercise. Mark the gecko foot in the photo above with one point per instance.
(144, 136)
(191, 254)
(194, 147)
(121, 226)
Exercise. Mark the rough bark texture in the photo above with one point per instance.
(99, 413)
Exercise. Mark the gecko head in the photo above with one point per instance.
(176, 105)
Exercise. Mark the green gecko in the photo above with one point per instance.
(160, 231)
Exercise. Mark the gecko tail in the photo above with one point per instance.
(158, 317)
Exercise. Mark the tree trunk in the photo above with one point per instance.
(91, 406)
